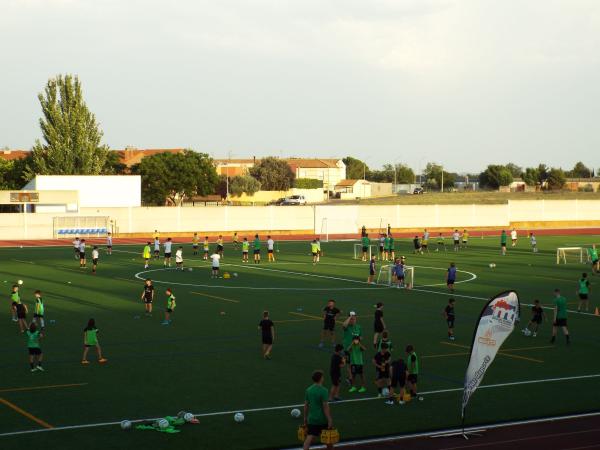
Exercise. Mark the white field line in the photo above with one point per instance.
(275, 408)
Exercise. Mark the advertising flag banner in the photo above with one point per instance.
(496, 322)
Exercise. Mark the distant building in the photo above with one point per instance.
(131, 156)
(9, 155)
(352, 189)
(234, 167)
(583, 184)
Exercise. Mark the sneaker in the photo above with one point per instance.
(165, 322)
(401, 402)
(451, 338)
(389, 402)
(14, 319)
(534, 334)
(362, 389)
(34, 369)
(85, 361)
(102, 360)
(353, 389)
(40, 368)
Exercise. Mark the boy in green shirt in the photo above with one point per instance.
(256, 249)
(583, 291)
(391, 248)
(90, 339)
(560, 316)
(386, 247)
(15, 299)
(39, 309)
(412, 363)
(245, 248)
(593, 254)
(503, 242)
(33, 346)
(170, 307)
(317, 416)
(366, 242)
(355, 350)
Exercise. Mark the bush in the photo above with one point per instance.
(307, 183)
(586, 188)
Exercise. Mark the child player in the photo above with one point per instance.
(392, 249)
(270, 249)
(245, 248)
(22, 316)
(148, 296)
(220, 246)
(76, 244)
(381, 360)
(330, 313)
(82, 260)
(533, 242)
(371, 270)
(335, 372)
(449, 316)
(398, 375)
(90, 339)
(170, 307)
(195, 244)
(356, 350)
(451, 277)
(168, 246)
(425, 242)
(456, 240)
(95, 256)
(593, 254)
(465, 238)
(314, 250)
(503, 242)
(256, 249)
(537, 317)
(441, 244)
(205, 246)
(235, 240)
(109, 244)
(33, 346)
(560, 316)
(583, 290)
(15, 299)
(267, 329)
(146, 255)
(413, 369)
(417, 245)
(319, 251)
(366, 242)
(38, 315)
(179, 258)
(386, 248)
(399, 273)
(156, 247)
(378, 324)
(215, 258)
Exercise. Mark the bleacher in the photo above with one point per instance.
(83, 226)
(82, 231)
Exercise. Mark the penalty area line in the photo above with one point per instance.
(275, 408)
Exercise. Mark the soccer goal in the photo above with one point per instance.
(566, 255)
(385, 276)
(358, 250)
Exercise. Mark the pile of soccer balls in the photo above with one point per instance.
(492, 265)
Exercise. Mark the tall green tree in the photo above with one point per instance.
(355, 168)
(556, 179)
(401, 172)
(433, 176)
(113, 164)
(170, 178)
(72, 137)
(273, 174)
(580, 170)
(244, 184)
(495, 176)
(515, 170)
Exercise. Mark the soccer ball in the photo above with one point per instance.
(385, 392)
(526, 332)
(189, 269)
(295, 413)
(125, 424)
(163, 423)
(188, 417)
(20, 282)
(492, 265)
(238, 417)
(234, 274)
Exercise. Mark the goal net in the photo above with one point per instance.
(358, 251)
(386, 277)
(566, 255)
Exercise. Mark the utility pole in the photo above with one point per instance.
(442, 178)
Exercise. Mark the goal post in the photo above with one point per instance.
(565, 255)
(324, 234)
(358, 250)
(385, 276)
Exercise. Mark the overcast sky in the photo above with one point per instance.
(463, 83)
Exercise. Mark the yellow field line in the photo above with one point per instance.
(501, 352)
(446, 354)
(527, 348)
(215, 297)
(25, 413)
(34, 388)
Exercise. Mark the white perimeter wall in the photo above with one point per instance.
(338, 219)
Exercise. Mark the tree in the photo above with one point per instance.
(580, 170)
(273, 174)
(403, 174)
(433, 176)
(245, 184)
(355, 168)
(556, 179)
(531, 176)
(13, 173)
(495, 176)
(515, 170)
(70, 132)
(173, 177)
(113, 164)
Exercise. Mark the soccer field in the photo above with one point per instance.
(208, 361)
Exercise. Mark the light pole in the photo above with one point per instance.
(442, 179)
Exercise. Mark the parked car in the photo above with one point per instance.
(294, 200)
(277, 202)
(418, 191)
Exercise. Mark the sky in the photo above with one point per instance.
(463, 83)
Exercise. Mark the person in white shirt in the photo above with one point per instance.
(513, 236)
(318, 249)
(95, 255)
(215, 257)
(270, 248)
(82, 254)
(109, 244)
(167, 260)
(76, 244)
(156, 248)
(179, 258)
(533, 241)
(456, 239)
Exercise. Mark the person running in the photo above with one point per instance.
(95, 256)
(378, 324)
(513, 237)
(593, 255)
(148, 296)
(205, 248)
(33, 346)
(168, 247)
(245, 249)
(76, 244)
(82, 260)
(366, 243)
(335, 372)
(256, 249)
(330, 313)
(270, 249)
(215, 258)
(537, 317)
(398, 375)
(179, 258)
(456, 240)
(560, 316)
(38, 314)
(267, 330)
(533, 242)
(417, 245)
(22, 316)
(351, 328)
(441, 243)
(449, 316)
(109, 244)
(503, 242)
(465, 238)
(372, 268)
(317, 416)
(391, 248)
(413, 370)
(15, 299)
(194, 244)
(146, 255)
(451, 277)
(381, 361)
(220, 246)
(170, 307)
(90, 339)
(156, 248)
(425, 241)
(356, 350)
(583, 291)
(235, 240)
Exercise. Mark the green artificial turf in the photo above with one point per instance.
(208, 360)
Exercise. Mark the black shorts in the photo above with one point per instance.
(245, 252)
(167, 255)
(560, 323)
(315, 430)
(156, 251)
(147, 301)
(109, 246)
(450, 281)
(81, 255)
(219, 248)
(21, 315)
(503, 244)
(380, 249)
(356, 369)
(329, 325)
(315, 253)
(169, 310)
(400, 278)
(424, 245)
(76, 249)
(267, 340)
(536, 319)
(38, 316)
(14, 304)
(365, 249)
(595, 261)
(371, 272)
(270, 251)
(583, 296)
(95, 261)
(412, 378)
(195, 246)
(456, 242)
(35, 350)
(450, 323)
(216, 269)
(382, 375)
(336, 378)
(256, 252)
(378, 327)
(398, 382)
(90, 345)
(464, 242)
(205, 251)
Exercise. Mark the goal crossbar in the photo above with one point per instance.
(576, 252)
(358, 250)
(386, 276)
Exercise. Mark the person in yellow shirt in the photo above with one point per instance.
(465, 238)
(146, 255)
(314, 249)
(195, 243)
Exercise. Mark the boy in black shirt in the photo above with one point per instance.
(330, 313)
(378, 324)
(335, 372)
(267, 329)
(449, 316)
(537, 317)
(148, 296)
(382, 366)
(398, 374)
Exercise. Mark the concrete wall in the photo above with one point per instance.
(311, 195)
(336, 219)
